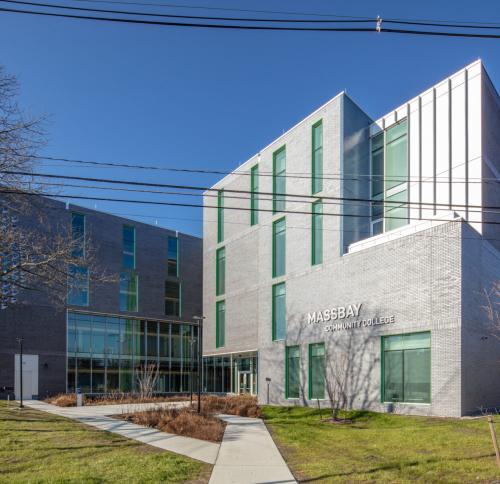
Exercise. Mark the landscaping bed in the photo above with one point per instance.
(184, 421)
(188, 423)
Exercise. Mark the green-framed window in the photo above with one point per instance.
(220, 271)
(292, 372)
(220, 216)
(78, 234)
(406, 368)
(172, 298)
(128, 258)
(389, 178)
(173, 256)
(317, 157)
(254, 195)
(279, 247)
(129, 292)
(220, 324)
(78, 286)
(279, 312)
(396, 152)
(317, 233)
(317, 371)
(279, 180)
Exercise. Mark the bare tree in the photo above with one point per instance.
(147, 376)
(492, 308)
(336, 382)
(36, 254)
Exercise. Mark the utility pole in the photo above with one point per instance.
(20, 341)
(191, 345)
(200, 319)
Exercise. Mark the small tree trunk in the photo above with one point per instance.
(494, 438)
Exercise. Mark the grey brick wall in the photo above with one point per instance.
(44, 326)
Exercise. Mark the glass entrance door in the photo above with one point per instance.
(245, 382)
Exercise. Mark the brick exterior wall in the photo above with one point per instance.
(43, 326)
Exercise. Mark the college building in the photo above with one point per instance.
(109, 330)
(347, 261)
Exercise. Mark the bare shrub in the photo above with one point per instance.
(181, 422)
(242, 405)
(63, 400)
(146, 380)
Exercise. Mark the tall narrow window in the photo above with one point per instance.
(128, 259)
(396, 168)
(279, 179)
(317, 370)
(78, 287)
(173, 256)
(377, 184)
(220, 215)
(78, 234)
(220, 271)
(292, 372)
(317, 157)
(220, 324)
(172, 298)
(254, 195)
(279, 247)
(128, 292)
(317, 233)
(406, 368)
(279, 312)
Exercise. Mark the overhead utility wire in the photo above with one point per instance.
(232, 190)
(377, 21)
(151, 14)
(325, 176)
(377, 29)
(247, 19)
(246, 209)
(284, 12)
(231, 197)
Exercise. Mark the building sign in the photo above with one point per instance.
(346, 317)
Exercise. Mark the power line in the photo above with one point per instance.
(295, 227)
(325, 176)
(235, 197)
(254, 27)
(245, 209)
(228, 190)
(283, 12)
(150, 14)
(250, 19)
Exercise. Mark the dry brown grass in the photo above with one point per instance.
(181, 422)
(69, 399)
(242, 405)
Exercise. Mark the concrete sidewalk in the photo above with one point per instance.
(248, 454)
(97, 416)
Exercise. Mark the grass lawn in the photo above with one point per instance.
(40, 447)
(383, 447)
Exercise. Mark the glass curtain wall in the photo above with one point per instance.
(107, 353)
(223, 374)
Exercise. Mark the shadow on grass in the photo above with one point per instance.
(396, 466)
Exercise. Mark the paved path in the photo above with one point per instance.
(97, 416)
(248, 454)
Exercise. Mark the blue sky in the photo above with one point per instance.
(210, 98)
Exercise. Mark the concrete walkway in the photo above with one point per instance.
(248, 454)
(97, 416)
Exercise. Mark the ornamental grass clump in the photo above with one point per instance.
(183, 422)
(241, 405)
